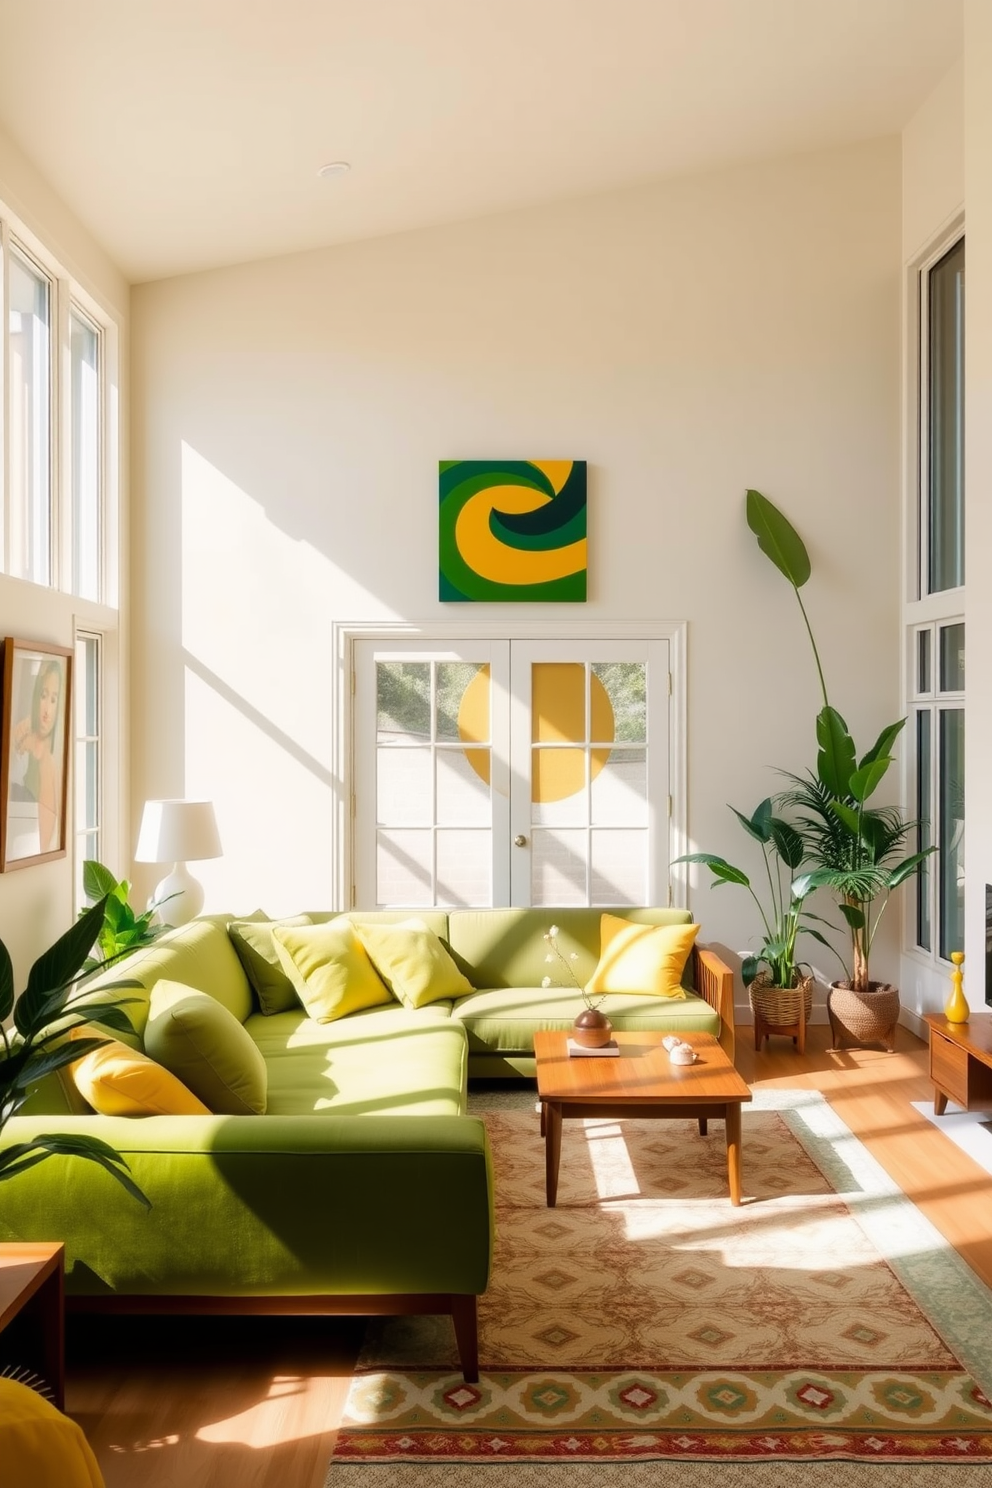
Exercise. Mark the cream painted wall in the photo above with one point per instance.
(933, 164)
(978, 460)
(687, 339)
(933, 188)
(36, 904)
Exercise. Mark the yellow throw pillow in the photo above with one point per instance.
(118, 1081)
(329, 967)
(412, 962)
(647, 960)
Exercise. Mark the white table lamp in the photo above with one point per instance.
(178, 832)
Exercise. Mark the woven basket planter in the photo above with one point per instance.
(780, 1010)
(863, 1017)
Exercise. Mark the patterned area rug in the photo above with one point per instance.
(647, 1321)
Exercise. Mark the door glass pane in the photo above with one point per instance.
(463, 797)
(620, 790)
(952, 658)
(87, 786)
(624, 684)
(951, 835)
(404, 792)
(558, 702)
(924, 832)
(558, 787)
(403, 697)
(462, 703)
(404, 867)
(945, 399)
(619, 867)
(84, 421)
(30, 423)
(558, 867)
(464, 868)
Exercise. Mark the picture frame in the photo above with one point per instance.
(35, 730)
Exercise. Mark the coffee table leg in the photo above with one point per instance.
(734, 1151)
(552, 1148)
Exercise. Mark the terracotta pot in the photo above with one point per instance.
(863, 1017)
(780, 1010)
(592, 1029)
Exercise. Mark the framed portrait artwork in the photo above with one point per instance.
(34, 752)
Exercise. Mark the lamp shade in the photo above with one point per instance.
(177, 832)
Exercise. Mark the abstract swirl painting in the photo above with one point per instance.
(513, 530)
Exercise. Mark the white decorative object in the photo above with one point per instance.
(671, 1041)
(176, 832)
(683, 1054)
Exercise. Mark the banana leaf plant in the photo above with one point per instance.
(122, 930)
(50, 1007)
(783, 916)
(850, 847)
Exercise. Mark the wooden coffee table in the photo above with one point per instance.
(31, 1294)
(641, 1081)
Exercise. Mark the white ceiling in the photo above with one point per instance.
(188, 133)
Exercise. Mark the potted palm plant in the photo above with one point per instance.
(779, 986)
(50, 1007)
(849, 846)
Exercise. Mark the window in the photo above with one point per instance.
(936, 651)
(29, 421)
(88, 728)
(937, 730)
(53, 416)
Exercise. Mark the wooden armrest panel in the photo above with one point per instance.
(715, 981)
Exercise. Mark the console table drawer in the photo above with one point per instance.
(949, 1068)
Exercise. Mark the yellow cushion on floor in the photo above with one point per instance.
(39, 1446)
(644, 959)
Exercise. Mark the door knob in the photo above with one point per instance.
(520, 840)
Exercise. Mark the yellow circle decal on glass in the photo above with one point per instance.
(558, 715)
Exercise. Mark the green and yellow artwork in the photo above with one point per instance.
(513, 530)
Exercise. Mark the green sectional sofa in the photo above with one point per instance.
(364, 1187)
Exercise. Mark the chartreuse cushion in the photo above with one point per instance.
(645, 959)
(412, 962)
(259, 955)
(119, 1081)
(206, 1048)
(330, 969)
(502, 1020)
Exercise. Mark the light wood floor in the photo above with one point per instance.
(253, 1403)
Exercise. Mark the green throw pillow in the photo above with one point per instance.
(259, 955)
(206, 1048)
(330, 969)
(413, 962)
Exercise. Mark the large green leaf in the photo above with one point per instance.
(6, 984)
(865, 780)
(723, 871)
(66, 1146)
(778, 539)
(758, 825)
(98, 881)
(854, 916)
(906, 869)
(62, 961)
(837, 757)
(788, 843)
(850, 818)
(883, 744)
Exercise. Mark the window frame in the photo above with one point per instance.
(923, 610)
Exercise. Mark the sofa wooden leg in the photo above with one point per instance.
(464, 1312)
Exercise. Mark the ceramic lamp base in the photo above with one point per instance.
(179, 896)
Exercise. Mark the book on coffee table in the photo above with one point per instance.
(579, 1051)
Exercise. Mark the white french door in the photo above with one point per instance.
(498, 772)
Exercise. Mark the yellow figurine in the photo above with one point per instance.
(956, 1008)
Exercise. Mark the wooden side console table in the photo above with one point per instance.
(32, 1312)
(961, 1061)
